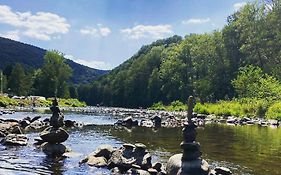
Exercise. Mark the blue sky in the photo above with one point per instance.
(104, 33)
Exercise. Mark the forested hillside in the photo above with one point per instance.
(203, 65)
(31, 57)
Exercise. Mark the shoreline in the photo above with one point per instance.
(176, 117)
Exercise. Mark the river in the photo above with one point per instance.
(247, 150)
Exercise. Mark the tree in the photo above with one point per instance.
(19, 83)
(53, 76)
(251, 82)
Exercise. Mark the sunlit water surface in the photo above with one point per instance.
(247, 150)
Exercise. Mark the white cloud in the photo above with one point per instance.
(104, 31)
(239, 5)
(89, 31)
(14, 35)
(144, 31)
(93, 64)
(42, 25)
(96, 32)
(196, 21)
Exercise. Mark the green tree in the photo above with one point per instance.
(53, 76)
(19, 83)
(251, 82)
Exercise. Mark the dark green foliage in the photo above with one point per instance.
(52, 77)
(202, 65)
(32, 57)
(19, 82)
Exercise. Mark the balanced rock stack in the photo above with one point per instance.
(54, 135)
(190, 162)
(128, 159)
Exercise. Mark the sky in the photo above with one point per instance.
(104, 33)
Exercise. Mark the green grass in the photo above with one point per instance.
(245, 107)
(174, 106)
(6, 101)
(9, 102)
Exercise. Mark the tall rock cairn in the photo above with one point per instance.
(54, 135)
(190, 161)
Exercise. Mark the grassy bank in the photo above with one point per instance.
(245, 107)
(9, 102)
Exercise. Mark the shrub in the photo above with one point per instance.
(274, 111)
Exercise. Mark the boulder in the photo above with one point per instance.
(103, 151)
(138, 172)
(54, 135)
(128, 151)
(158, 166)
(156, 120)
(143, 158)
(117, 160)
(54, 150)
(15, 140)
(97, 161)
(37, 125)
(24, 123)
(222, 171)
(15, 130)
(175, 166)
(35, 118)
(69, 123)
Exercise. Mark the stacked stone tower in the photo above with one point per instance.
(190, 162)
(54, 135)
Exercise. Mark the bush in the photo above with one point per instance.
(6, 101)
(158, 106)
(274, 111)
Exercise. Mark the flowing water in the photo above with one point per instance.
(247, 150)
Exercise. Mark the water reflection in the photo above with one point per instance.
(251, 150)
(246, 149)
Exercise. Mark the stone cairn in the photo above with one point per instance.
(190, 162)
(54, 135)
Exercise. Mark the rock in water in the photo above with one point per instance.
(15, 140)
(54, 150)
(97, 161)
(223, 171)
(54, 135)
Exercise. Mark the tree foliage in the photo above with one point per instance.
(52, 78)
(207, 66)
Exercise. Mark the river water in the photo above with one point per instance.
(247, 150)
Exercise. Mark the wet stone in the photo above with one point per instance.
(15, 140)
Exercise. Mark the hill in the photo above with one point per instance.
(203, 65)
(29, 56)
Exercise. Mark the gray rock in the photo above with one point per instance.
(158, 166)
(15, 140)
(16, 130)
(97, 161)
(103, 151)
(35, 118)
(54, 135)
(222, 171)
(54, 150)
(175, 166)
(117, 160)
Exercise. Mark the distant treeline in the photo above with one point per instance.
(209, 66)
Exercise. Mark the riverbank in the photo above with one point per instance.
(245, 107)
(33, 101)
(148, 117)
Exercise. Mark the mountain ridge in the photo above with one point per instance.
(32, 57)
